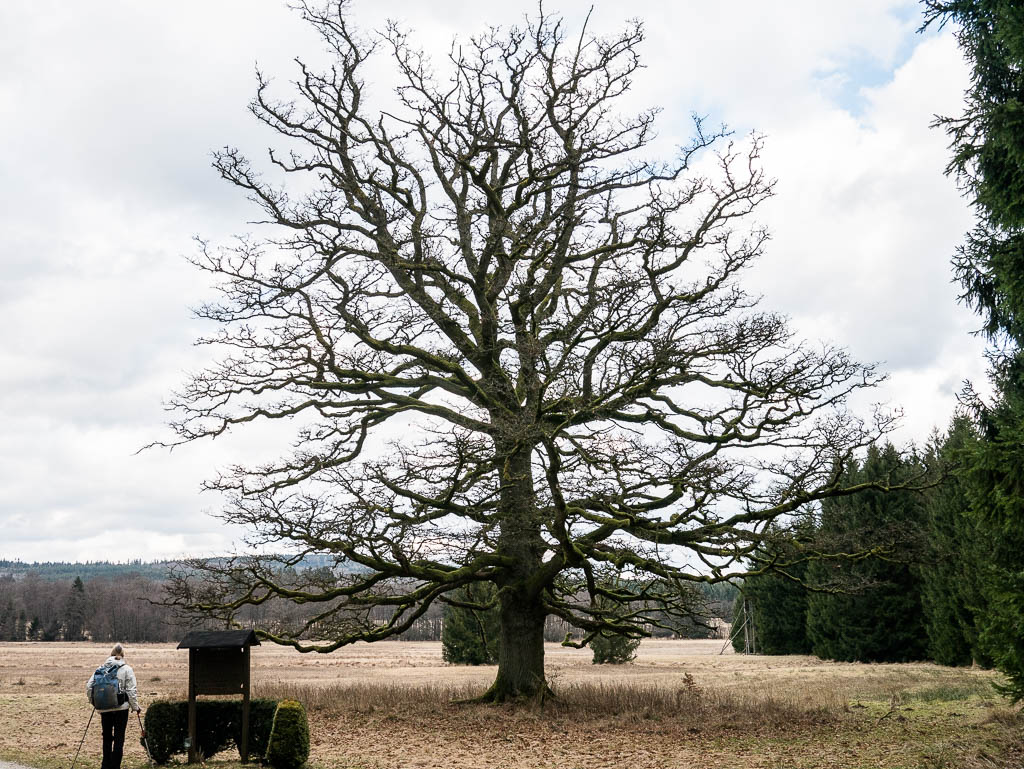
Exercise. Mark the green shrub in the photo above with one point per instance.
(613, 649)
(164, 735)
(218, 726)
(470, 636)
(289, 736)
(610, 647)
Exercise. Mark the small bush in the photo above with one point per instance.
(470, 636)
(218, 726)
(614, 649)
(289, 736)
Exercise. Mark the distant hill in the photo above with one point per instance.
(63, 570)
(155, 570)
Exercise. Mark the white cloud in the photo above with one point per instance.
(111, 108)
(865, 223)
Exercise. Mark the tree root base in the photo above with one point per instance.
(499, 694)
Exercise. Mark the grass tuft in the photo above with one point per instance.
(952, 692)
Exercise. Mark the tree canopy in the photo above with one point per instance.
(514, 349)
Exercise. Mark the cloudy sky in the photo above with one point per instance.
(110, 110)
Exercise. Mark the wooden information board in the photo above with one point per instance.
(218, 663)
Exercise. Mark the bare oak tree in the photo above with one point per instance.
(514, 348)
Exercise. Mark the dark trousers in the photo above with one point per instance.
(114, 723)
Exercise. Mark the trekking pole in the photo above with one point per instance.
(145, 742)
(83, 738)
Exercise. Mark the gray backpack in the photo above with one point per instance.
(106, 691)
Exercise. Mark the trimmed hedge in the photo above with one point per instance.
(218, 726)
(289, 736)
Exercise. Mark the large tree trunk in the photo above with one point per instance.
(521, 651)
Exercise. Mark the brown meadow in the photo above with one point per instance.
(681, 704)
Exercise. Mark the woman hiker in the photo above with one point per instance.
(117, 675)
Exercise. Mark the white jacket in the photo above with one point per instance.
(126, 683)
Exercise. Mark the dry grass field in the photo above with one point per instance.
(681, 704)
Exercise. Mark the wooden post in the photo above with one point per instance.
(244, 748)
(193, 748)
(753, 629)
(748, 629)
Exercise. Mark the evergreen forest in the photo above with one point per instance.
(938, 573)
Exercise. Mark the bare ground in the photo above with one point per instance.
(681, 704)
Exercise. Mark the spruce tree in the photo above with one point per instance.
(994, 483)
(610, 647)
(952, 590)
(776, 596)
(470, 630)
(868, 609)
(778, 606)
(987, 143)
(613, 648)
(74, 612)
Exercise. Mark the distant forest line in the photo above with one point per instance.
(109, 602)
(68, 570)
